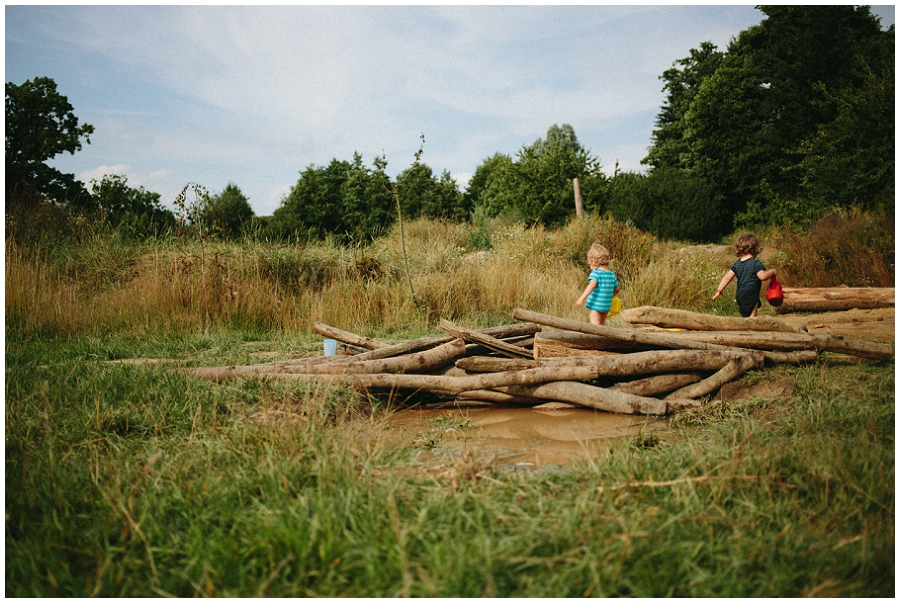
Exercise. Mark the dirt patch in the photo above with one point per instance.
(768, 390)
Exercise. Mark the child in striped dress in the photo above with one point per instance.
(602, 285)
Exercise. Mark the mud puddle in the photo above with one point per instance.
(523, 437)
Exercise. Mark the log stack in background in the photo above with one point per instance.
(546, 358)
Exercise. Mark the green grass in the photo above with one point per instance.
(128, 479)
(131, 481)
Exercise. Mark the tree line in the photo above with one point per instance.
(793, 120)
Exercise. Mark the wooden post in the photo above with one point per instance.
(579, 202)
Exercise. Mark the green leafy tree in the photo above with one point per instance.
(543, 173)
(39, 126)
(368, 205)
(776, 90)
(232, 210)
(135, 211)
(682, 83)
(314, 205)
(796, 118)
(537, 186)
(488, 191)
(422, 194)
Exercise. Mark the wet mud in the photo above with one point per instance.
(552, 434)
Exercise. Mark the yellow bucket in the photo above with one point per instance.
(615, 307)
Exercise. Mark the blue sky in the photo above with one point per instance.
(254, 94)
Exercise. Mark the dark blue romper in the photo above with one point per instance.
(748, 284)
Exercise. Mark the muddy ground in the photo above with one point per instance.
(553, 435)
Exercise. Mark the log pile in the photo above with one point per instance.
(631, 371)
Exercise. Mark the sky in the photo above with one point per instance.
(252, 95)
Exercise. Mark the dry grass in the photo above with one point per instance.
(104, 284)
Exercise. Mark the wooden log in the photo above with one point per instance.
(347, 337)
(430, 341)
(627, 365)
(683, 319)
(632, 335)
(485, 364)
(550, 344)
(485, 340)
(590, 396)
(734, 369)
(834, 299)
(798, 357)
(599, 342)
(497, 397)
(422, 361)
(790, 342)
(657, 384)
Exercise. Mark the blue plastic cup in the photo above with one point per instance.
(330, 347)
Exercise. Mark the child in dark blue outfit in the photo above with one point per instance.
(750, 274)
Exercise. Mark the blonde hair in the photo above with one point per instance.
(747, 243)
(598, 255)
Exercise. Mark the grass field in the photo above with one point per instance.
(126, 479)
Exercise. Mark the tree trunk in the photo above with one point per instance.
(834, 299)
(640, 363)
(695, 321)
(619, 365)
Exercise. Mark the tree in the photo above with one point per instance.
(542, 176)
(424, 195)
(488, 190)
(39, 126)
(135, 211)
(232, 210)
(537, 186)
(745, 123)
(368, 205)
(669, 148)
(314, 205)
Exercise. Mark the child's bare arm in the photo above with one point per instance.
(587, 291)
(725, 280)
(765, 275)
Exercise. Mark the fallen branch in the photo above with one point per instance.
(346, 337)
(427, 360)
(590, 396)
(485, 340)
(658, 384)
(734, 369)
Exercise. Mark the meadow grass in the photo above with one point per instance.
(134, 480)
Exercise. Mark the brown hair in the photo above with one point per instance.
(747, 243)
(599, 254)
